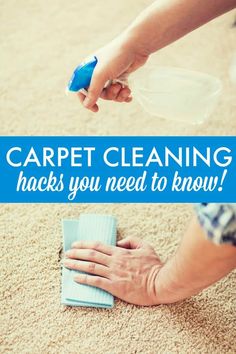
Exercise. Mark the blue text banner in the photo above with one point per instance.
(117, 169)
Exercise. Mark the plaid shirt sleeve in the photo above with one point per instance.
(218, 221)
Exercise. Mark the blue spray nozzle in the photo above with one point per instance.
(82, 75)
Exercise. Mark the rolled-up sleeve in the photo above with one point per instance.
(218, 222)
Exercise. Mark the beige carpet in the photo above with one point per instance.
(41, 42)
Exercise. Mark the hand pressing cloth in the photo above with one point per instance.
(89, 227)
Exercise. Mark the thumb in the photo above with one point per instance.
(97, 84)
(131, 243)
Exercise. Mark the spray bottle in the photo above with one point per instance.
(168, 92)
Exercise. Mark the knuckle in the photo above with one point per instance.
(85, 279)
(92, 254)
(74, 266)
(96, 245)
(97, 282)
(91, 267)
(92, 93)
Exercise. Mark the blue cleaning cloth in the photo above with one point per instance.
(89, 227)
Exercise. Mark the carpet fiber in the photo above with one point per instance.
(41, 43)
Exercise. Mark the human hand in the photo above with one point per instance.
(116, 60)
(127, 271)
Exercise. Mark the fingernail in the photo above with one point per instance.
(77, 278)
(66, 263)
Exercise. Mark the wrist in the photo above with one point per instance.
(133, 43)
(168, 284)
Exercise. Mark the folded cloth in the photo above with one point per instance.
(89, 227)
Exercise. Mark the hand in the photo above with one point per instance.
(116, 60)
(128, 271)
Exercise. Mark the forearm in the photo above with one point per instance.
(168, 20)
(197, 264)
